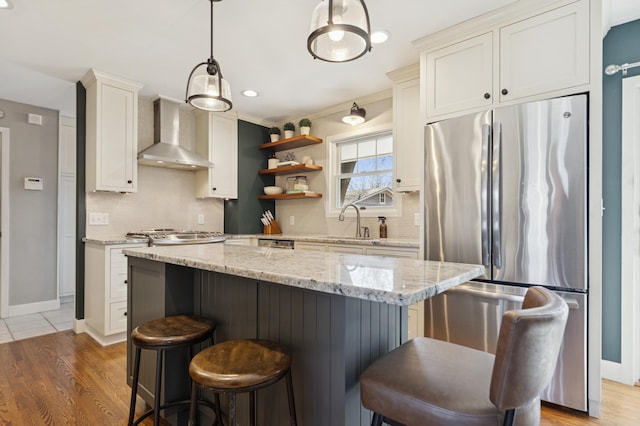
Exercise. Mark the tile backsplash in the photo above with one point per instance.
(165, 199)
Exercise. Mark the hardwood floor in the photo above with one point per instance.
(69, 379)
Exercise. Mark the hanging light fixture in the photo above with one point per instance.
(340, 31)
(210, 91)
(355, 116)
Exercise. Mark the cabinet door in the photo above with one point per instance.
(117, 140)
(459, 77)
(545, 53)
(221, 141)
(407, 135)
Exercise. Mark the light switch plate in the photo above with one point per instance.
(200, 219)
(97, 218)
(416, 219)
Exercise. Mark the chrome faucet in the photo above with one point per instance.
(341, 218)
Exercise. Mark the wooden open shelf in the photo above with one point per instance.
(288, 170)
(291, 143)
(294, 196)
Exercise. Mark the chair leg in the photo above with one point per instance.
(232, 409)
(158, 390)
(292, 403)
(377, 419)
(509, 417)
(134, 386)
(218, 410)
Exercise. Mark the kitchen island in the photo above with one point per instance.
(336, 313)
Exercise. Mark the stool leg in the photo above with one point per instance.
(218, 410)
(292, 402)
(158, 395)
(134, 386)
(194, 403)
(232, 409)
(252, 408)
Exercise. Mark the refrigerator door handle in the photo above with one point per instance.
(496, 193)
(487, 294)
(484, 203)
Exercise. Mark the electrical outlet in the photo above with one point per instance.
(416, 219)
(97, 218)
(292, 220)
(200, 219)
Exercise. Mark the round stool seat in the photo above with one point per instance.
(238, 364)
(172, 331)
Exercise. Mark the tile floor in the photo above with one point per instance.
(25, 326)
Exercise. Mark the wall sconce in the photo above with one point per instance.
(355, 116)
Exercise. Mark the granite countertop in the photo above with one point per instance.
(391, 280)
(383, 242)
(115, 239)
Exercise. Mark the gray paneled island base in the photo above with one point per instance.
(335, 312)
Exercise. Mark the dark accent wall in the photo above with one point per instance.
(242, 216)
(81, 195)
(621, 45)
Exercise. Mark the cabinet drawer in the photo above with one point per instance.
(118, 284)
(118, 316)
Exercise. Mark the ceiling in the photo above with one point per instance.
(47, 46)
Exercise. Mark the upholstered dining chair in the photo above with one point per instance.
(431, 382)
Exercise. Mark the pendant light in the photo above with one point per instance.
(340, 31)
(210, 91)
(355, 116)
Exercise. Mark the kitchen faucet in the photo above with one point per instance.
(341, 218)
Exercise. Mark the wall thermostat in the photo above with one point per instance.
(34, 183)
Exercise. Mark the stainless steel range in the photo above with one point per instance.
(169, 236)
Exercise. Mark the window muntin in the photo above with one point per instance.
(365, 171)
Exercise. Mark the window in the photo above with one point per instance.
(362, 172)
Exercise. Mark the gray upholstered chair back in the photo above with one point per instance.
(528, 347)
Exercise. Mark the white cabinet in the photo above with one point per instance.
(536, 55)
(105, 301)
(460, 77)
(217, 140)
(111, 133)
(407, 135)
(310, 246)
(545, 53)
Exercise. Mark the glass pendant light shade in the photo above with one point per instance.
(210, 91)
(340, 30)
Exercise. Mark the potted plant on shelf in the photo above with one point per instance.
(305, 126)
(289, 128)
(274, 134)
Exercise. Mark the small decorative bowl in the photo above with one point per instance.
(273, 190)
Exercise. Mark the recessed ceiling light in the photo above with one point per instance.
(380, 36)
(250, 93)
(5, 4)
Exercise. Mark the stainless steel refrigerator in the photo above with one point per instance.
(507, 188)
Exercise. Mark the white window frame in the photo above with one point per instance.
(332, 163)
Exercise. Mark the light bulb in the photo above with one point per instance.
(336, 35)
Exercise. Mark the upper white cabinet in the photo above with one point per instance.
(112, 132)
(407, 129)
(217, 141)
(460, 76)
(545, 53)
(539, 54)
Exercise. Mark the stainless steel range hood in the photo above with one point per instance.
(166, 150)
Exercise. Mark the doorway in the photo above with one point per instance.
(630, 223)
(4, 221)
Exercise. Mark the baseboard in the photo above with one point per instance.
(33, 308)
(612, 371)
(79, 326)
(105, 340)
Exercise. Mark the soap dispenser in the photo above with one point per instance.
(383, 226)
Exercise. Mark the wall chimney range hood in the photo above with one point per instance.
(166, 150)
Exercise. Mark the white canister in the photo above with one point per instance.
(273, 163)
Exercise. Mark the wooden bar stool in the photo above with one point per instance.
(238, 366)
(160, 335)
